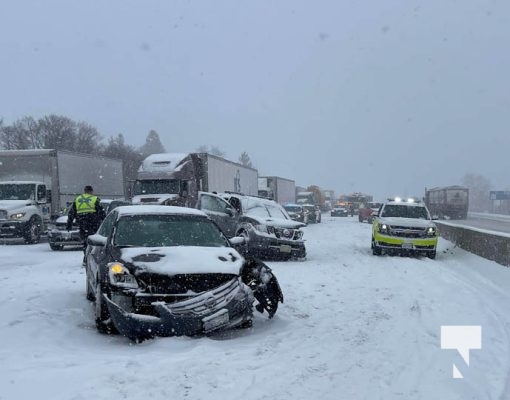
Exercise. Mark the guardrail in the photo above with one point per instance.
(492, 217)
(487, 244)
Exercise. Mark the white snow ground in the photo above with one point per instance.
(353, 326)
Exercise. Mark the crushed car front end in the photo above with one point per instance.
(162, 306)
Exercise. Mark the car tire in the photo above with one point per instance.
(88, 289)
(103, 321)
(376, 250)
(431, 255)
(32, 233)
(56, 247)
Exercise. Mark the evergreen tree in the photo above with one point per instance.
(152, 145)
(244, 159)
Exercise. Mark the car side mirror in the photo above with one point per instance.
(237, 240)
(229, 211)
(96, 240)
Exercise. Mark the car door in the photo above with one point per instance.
(220, 211)
(97, 254)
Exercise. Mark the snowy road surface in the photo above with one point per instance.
(353, 326)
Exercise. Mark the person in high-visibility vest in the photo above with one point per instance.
(89, 214)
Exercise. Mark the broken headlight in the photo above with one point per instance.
(120, 276)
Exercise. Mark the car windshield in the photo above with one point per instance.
(17, 192)
(405, 211)
(276, 211)
(294, 209)
(156, 187)
(167, 230)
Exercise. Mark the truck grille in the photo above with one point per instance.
(3, 214)
(401, 231)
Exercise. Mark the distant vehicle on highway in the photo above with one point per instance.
(449, 202)
(404, 226)
(367, 211)
(338, 211)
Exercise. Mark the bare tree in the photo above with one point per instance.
(117, 148)
(23, 134)
(86, 138)
(58, 132)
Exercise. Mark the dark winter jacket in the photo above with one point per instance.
(88, 212)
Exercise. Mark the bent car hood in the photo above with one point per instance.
(407, 222)
(278, 222)
(183, 260)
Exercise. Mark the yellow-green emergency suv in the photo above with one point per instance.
(404, 227)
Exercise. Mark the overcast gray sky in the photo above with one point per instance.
(380, 96)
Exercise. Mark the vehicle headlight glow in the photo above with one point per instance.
(383, 228)
(397, 199)
(17, 215)
(120, 276)
(431, 231)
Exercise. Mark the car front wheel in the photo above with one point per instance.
(431, 255)
(33, 231)
(376, 250)
(103, 320)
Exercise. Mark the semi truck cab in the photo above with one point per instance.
(24, 210)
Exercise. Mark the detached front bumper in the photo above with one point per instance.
(407, 244)
(13, 229)
(228, 306)
(61, 238)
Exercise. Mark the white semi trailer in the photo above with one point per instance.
(35, 185)
(176, 178)
(281, 190)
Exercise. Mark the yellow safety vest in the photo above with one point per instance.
(85, 203)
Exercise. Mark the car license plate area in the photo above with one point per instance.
(216, 320)
(407, 246)
(285, 248)
(66, 235)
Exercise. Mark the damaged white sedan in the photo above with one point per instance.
(164, 271)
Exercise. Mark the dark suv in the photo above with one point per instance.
(267, 229)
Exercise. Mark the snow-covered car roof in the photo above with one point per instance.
(405, 203)
(156, 209)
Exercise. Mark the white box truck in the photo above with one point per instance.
(35, 185)
(281, 190)
(176, 178)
